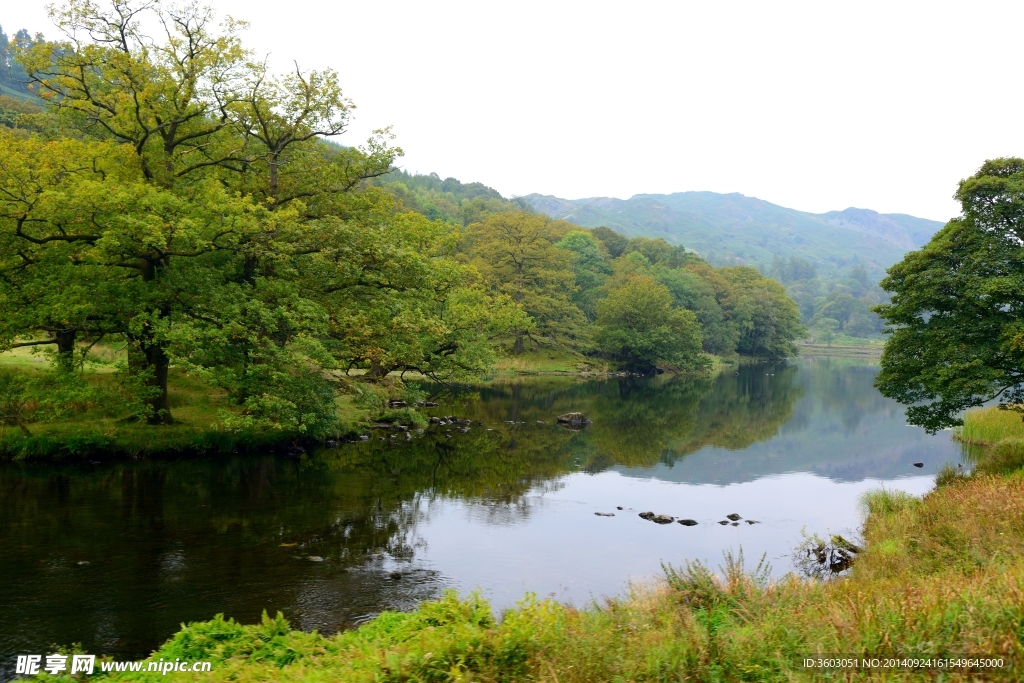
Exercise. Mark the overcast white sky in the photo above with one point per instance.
(816, 106)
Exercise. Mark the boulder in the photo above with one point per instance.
(646, 515)
(397, 404)
(574, 420)
(752, 521)
(688, 522)
(733, 517)
(663, 519)
(724, 522)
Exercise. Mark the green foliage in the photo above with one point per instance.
(956, 307)
(515, 253)
(768, 319)
(181, 198)
(638, 326)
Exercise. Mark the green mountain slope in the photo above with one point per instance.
(733, 228)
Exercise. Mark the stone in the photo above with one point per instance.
(605, 514)
(724, 522)
(578, 420)
(733, 517)
(397, 404)
(688, 522)
(918, 464)
(646, 515)
(663, 519)
(752, 521)
(618, 507)
(315, 558)
(735, 523)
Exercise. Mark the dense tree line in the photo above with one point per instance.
(828, 307)
(174, 197)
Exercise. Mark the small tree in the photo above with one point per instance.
(826, 329)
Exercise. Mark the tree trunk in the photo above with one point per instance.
(152, 360)
(377, 371)
(66, 348)
(157, 360)
(518, 347)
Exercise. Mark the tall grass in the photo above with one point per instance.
(990, 425)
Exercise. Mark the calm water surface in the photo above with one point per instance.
(116, 555)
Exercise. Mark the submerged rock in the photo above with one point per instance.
(315, 558)
(724, 522)
(735, 523)
(646, 515)
(605, 514)
(733, 517)
(752, 521)
(688, 522)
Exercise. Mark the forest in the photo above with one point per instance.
(169, 207)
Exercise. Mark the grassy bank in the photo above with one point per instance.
(92, 430)
(941, 576)
(842, 346)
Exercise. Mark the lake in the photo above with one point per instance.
(117, 555)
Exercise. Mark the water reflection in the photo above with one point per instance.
(116, 556)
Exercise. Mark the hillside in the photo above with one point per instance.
(733, 228)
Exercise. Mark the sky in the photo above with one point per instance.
(816, 106)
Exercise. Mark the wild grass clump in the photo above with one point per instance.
(990, 425)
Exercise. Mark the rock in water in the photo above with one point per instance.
(735, 523)
(315, 558)
(733, 517)
(605, 514)
(752, 521)
(918, 464)
(688, 522)
(574, 420)
(646, 515)
(618, 507)
(663, 519)
(724, 522)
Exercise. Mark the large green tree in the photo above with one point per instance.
(184, 200)
(768, 320)
(638, 326)
(515, 253)
(957, 308)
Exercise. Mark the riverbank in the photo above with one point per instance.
(845, 347)
(941, 576)
(92, 430)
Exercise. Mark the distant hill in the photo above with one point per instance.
(734, 228)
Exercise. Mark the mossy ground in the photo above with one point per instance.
(197, 409)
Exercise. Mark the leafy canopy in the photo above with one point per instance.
(957, 309)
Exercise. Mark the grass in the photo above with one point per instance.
(852, 347)
(941, 576)
(93, 431)
(548, 361)
(990, 425)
